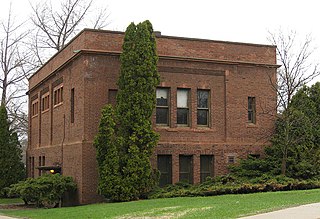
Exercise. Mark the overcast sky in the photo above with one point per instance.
(229, 20)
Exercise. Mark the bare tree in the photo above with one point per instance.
(15, 66)
(297, 69)
(55, 26)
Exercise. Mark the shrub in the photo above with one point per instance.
(232, 185)
(44, 191)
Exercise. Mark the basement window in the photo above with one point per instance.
(206, 167)
(165, 169)
(231, 159)
(186, 168)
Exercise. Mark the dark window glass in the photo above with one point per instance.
(185, 168)
(32, 168)
(165, 168)
(251, 109)
(72, 105)
(231, 159)
(40, 163)
(162, 109)
(182, 106)
(206, 167)
(203, 107)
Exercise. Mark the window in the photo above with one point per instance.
(186, 168)
(183, 106)
(112, 96)
(165, 168)
(231, 159)
(58, 95)
(45, 102)
(72, 105)
(162, 109)
(32, 167)
(34, 108)
(203, 108)
(206, 167)
(251, 109)
(40, 165)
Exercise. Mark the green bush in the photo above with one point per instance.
(44, 191)
(232, 185)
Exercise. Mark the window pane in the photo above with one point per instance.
(165, 168)
(162, 116)
(162, 96)
(206, 166)
(182, 116)
(203, 97)
(202, 117)
(185, 169)
(182, 98)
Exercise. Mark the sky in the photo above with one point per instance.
(228, 20)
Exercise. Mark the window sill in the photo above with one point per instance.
(252, 125)
(184, 129)
(44, 111)
(57, 105)
(34, 116)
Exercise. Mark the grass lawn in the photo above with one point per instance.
(10, 200)
(226, 206)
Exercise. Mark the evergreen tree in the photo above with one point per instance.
(135, 104)
(12, 168)
(107, 155)
(126, 140)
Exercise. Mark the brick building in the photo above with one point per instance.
(215, 105)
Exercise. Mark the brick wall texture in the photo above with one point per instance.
(89, 64)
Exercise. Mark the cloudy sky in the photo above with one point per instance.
(229, 20)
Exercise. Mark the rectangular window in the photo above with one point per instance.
(58, 95)
(72, 105)
(162, 109)
(186, 168)
(34, 108)
(39, 165)
(32, 167)
(203, 108)
(183, 106)
(231, 159)
(165, 168)
(206, 167)
(112, 96)
(251, 109)
(45, 102)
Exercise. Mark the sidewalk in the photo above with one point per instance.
(310, 211)
(5, 217)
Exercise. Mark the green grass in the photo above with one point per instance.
(10, 200)
(226, 206)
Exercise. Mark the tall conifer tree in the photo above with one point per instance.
(11, 166)
(125, 141)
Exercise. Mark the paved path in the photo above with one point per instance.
(5, 217)
(310, 211)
